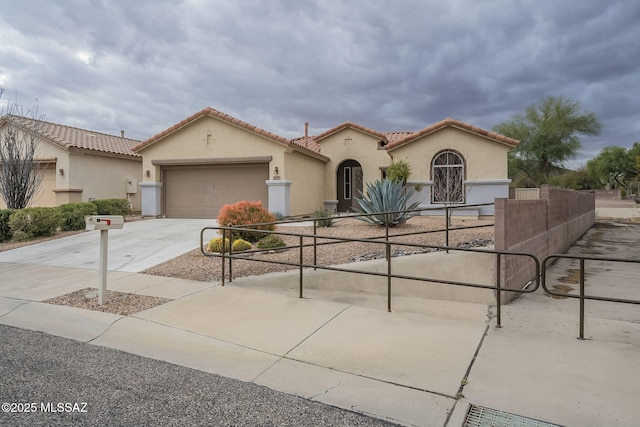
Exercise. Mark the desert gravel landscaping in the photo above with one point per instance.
(195, 266)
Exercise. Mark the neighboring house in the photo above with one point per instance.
(80, 165)
(210, 159)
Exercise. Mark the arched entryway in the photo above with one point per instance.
(349, 184)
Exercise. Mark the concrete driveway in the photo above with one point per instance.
(138, 246)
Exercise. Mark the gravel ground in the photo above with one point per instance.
(120, 303)
(121, 389)
(195, 266)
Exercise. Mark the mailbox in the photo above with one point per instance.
(104, 222)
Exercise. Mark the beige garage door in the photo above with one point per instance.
(200, 191)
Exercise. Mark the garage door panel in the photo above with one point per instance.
(200, 192)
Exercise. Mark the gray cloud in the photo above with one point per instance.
(403, 65)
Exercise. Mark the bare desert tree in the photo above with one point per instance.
(20, 172)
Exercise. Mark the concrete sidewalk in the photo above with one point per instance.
(406, 367)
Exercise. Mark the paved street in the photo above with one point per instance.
(124, 389)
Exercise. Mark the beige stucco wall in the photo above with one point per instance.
(84, 176)
(352, 144)
(212, 138)
(306, 175)
(102, 177)
(484, 159)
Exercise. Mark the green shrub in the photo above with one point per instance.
(278, 216)
(5, 230)
(73, 215)
(112, 206)
(270, 242)
(386, 196)
(30, 223)
(246, 213)
(240, 245)
(215, 245)
(323, 218)
(399, 171)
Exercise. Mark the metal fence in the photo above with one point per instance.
(382, 240)
(582, 295)
(310, 241)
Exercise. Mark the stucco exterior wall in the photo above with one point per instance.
(211, 138)
(306, 175)
(484, 159)
(486, 174)
(102, 177)
(352, 144)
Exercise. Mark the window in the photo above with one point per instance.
(448, 178)
(347, 183)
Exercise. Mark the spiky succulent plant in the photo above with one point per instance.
(386, 196)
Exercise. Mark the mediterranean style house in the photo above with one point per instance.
(209, 159)
(79, 165)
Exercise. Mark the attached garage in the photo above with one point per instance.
(200, 191)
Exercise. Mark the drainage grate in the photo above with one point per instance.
(479, 416)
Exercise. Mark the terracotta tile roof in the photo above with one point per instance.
(356, 126)
(396, 136)
(71, 137)
(213, 113)
(307, 142)
(458, 124)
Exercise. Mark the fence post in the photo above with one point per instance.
(301, 262)
(224, 235)
(315, 247)
(498, 296)
(446, 215)
(230, 253)
(388, 245)
(581, 337)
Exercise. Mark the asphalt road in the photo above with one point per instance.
(65, 382)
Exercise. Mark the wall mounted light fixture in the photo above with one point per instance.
(148, 173)
(61, 171)
(275, 170)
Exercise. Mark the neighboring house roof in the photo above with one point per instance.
(75, 138)
(457, 124)
(302, 144)
(352, 125)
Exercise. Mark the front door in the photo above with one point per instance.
(350, 184)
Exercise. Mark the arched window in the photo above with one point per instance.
(447, 171)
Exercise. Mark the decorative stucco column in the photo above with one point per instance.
(151, 198)
(279, 191)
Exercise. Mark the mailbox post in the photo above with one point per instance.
(104, 223)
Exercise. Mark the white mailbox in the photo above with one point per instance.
(104, 222)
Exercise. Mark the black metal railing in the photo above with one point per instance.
(582, 295)
(385, 241)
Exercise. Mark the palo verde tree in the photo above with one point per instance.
(20, 172)
(548, 134)
(617, 167)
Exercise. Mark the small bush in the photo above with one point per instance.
(5, 230)
(30, 223)
(323, 218)
(399, 171)
(73, 215)
(270, 242)
(278, 216)
(240, 245)
(215, 245)
(112, 206)
(246, 213)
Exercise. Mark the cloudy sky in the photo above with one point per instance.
(389, 65)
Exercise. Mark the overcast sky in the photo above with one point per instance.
(390, 65)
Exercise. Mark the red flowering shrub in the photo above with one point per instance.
(246, 213)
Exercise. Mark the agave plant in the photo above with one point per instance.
(386, 196)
